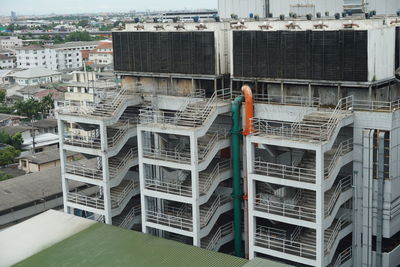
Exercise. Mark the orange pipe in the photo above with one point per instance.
(249, 110)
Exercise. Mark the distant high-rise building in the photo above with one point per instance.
(13, 16)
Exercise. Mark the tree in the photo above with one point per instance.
(2, 95)
(83, 23)
(47, 104)
(16, 140)
(29, 108)
(8, 155)
(78, 36)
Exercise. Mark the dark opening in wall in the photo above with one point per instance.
(165, 52)
(315, 55)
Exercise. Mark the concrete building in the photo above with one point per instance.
(263, 8)
(319, 154)
(102, 54)
(36, 76)
(10, 42)
(54, 57)
(7, 59)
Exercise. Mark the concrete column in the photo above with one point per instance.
(106, 174)
(141, 179)
(310, 94)
(63, 162)
(282, 92)
(194, 155)
(250, 195)
(380, 198)
(320, 207)
(367, 176)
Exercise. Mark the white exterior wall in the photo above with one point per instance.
(52, 58)
(45, 58)
(381, 53)
(8, 63)
(10, 42)
(101, 58)
(242, 8)
(383, 7)
(38, 80)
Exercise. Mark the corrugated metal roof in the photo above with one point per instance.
(105, 245)
(258, 262)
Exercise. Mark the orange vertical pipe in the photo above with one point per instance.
(249, 110)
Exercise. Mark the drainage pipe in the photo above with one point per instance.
(249, 110)
(237, 193)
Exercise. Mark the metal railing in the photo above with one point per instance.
(87, 201)
(123, 163)
(343, 185)
(284, 171)
(341, 150)
(169, 220)
(376, 106)
(275, 239)
(197, 93)
(208, 212)
(287, 100)
(118, 197)
(167, 154)
(296, 233)
(344, 256)
(130, 217)
(284, 209)
(168, 187)
(217, 136)
(341, 223)
(205, 184)
(223, 231)
(303, 131)
(83, 171)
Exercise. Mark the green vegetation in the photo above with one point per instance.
(32, 108)
(8, 155)
(15, 141)
(4, 176)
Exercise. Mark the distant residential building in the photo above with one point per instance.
(56, 95)
(36, 76)
(44, 160)
(55, 57)
(41, 142)
(10, 42)
(4, 76)
(102, 54)
(7, 59)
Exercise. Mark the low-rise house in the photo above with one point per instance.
(10, 42)
(29, 91)
(41, 142)
(46, 126)
(26, 131)
(7, 59)
(5, 76)
(36, 76)
(10, 120)
(55, 94)
(44, 160)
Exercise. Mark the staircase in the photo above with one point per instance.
(109, 105)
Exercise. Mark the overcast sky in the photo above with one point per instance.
(38, 7)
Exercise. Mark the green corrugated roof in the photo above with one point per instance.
(258, 262)
(105, 245)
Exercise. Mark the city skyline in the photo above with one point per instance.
(45, 7)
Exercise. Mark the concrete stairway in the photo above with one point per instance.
(194, 114)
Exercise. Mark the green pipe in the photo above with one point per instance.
(237, 193)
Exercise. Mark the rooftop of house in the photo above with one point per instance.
(56, 95)
(46, 156)
(28, 189)
(35, 73)
(4, 117)
(29, 90)
(45, 123)
(63, 239)
(41, 140)
(12, 130)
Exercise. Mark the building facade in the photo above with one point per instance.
(318, 162)
(54, 57)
